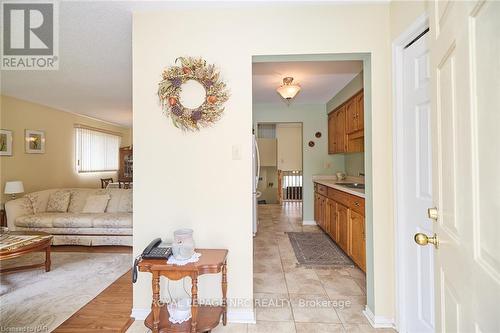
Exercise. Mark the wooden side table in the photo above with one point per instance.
(203, 317)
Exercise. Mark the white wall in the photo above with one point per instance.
(175, 171)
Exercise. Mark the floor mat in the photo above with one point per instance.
(317, 250)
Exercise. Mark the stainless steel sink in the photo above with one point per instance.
(352, 185)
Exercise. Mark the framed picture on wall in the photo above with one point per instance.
(34, 141)
(5, 142)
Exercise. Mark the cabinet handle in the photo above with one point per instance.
(356, 204)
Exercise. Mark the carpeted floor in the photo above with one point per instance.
(317, 250)
(40, 301)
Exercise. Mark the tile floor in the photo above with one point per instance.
(295, 299)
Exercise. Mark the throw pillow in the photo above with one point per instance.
(96, 203)
(59, 201)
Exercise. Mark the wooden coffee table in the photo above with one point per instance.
(17, 243)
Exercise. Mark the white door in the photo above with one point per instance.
(465, 71)
(416, 189)
(289, 136)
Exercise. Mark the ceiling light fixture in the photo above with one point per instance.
(288, 90)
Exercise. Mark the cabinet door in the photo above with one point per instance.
(320, 211)
(357, 239)
(340, 131)
(332, 219)
(316, 208)
(351, 116)
(360, 111)
(343, 227)
(332, 133)
(326, 214)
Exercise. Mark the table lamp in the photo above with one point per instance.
(13, 188)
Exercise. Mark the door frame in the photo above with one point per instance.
(419, 25)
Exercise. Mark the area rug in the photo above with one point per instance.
(317, 250)
(39, 301)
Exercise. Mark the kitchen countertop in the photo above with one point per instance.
(331, 181)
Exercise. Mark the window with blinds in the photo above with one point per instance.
(96, 150)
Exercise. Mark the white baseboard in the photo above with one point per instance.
(308, 222)
(140, 314)
(378, 321)
(233, 316)
(246, 316)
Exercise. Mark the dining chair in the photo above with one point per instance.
(124, 184)
(105, 182)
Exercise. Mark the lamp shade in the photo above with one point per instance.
(14, 187)
(288, 90)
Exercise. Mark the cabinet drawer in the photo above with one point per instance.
(322, 189)
(353, 202)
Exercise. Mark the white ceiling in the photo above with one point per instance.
(319, 80)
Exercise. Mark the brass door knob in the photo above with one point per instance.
(423, 239)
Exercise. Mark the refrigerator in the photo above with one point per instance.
(255, 182)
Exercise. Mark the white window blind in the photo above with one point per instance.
(96, 150)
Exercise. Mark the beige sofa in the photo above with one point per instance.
(113, 227)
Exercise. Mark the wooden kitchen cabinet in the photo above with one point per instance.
(332, 133)
(360, 114)
(340, 131)
(326, 216)
(320, 209)
(316, 207)
(346, 126)
(332, 219)
(351, 123)
(341, 216)
(357, 248)
(343, 227)
(336, 132)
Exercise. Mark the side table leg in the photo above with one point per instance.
(224, 293)
(155, 306)
(194, 302)
(47, 258)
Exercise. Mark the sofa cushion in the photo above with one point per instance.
(112, 220)
(96, 203)
(40, 220)
(59, 201)
(81, 231)
(73, 220)
(39, 200)
(79, 197)
(121, 201)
